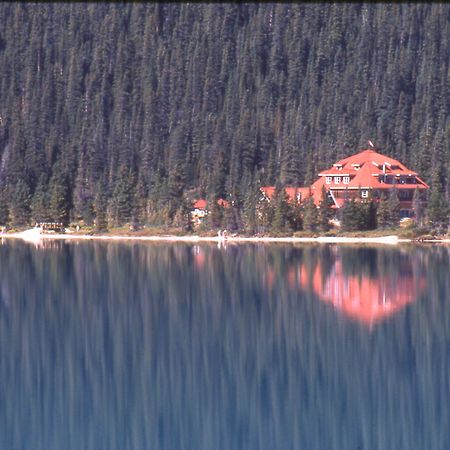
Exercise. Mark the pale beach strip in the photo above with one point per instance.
(35, 235)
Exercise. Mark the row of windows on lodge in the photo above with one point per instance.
(403, 194)
(386, 179)
(406, 195)
(337, 180)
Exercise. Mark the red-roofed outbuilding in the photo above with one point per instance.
(200, 208)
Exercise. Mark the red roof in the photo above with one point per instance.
(364, 169)
(202, 203)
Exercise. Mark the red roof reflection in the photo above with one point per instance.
(361, 297)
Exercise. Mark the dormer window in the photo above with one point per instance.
(356, 166)
(338, 166)
(328, 180)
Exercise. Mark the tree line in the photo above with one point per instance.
(281, 214)
(118, 113)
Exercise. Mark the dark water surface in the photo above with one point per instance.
(154, 346)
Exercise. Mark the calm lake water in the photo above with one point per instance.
(155, 346)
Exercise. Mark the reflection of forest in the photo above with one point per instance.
(160, 343)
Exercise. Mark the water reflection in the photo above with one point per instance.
(370, 290)
(136, 346)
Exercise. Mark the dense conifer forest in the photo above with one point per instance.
(127, 112)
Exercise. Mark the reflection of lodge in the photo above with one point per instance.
(360, 296)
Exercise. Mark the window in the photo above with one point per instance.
(346, 180)
(328, 180)
(337, 180)
(405, 194)
(364, 194)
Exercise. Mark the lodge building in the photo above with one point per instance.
(360, 176)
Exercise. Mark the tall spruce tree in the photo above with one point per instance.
(20, 204)
(325, 212)
(310, 215)
(280, 202)
(438, 210)
(40, 203)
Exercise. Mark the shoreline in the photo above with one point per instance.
(34, 235)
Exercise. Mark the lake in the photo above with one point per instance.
(159, 346)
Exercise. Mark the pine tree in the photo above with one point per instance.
(40, 202)
(393, 205)
(20, 204)
(351, 217)
(4, 206)
(418, 207)
(250, 210)
(59, 204)
(438, 210)
(123, 196)
(186, 208)
(100, 206)
(383, 220)
(325, 212)
(280, 209)
(388, 212)
(215, 214)
(310, 215)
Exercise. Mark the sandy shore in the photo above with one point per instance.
(34, 235)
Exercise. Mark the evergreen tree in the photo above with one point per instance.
(250, 211)
(310, 215)
(264, 212)
(280, 202)
(325, 212)
(4, 207)
(186, 208)
(183, 217)
(383, 220)
(388, 212)
(351, 219)
(122, 200)
(100, 207)
(418, 207)
(59, 202)
(40, 202)
(393, 205)
(438, 210)
(215, 214)
(20, 204)
(232, 217)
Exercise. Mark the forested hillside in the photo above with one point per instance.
(122, 112)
